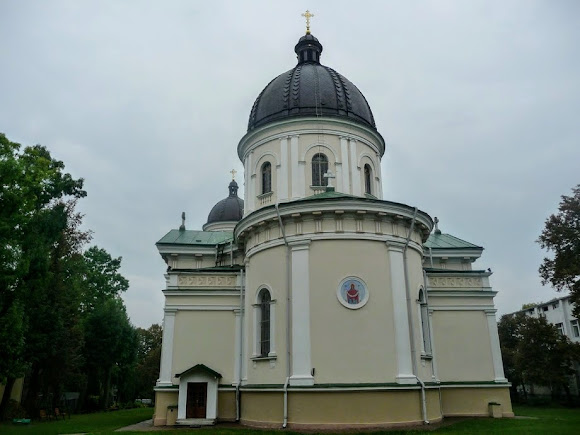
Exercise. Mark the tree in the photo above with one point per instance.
(33, 190)
(561, 235)
(535, 353)
(110, 342)
(52, 291)
(148, 360)
(110, 339)
(102, 279)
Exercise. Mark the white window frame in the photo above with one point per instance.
(257, 354)
(425, 330)
(575, 328)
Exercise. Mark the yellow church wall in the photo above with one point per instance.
(463, 346)
(438, 301)
(337, 330)
(267, 268)
(262, 408)
(339, 409)
(163, 399)
(204, 337)
(191, 262)
(226, 404)
(466, 401)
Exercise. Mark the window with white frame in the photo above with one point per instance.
(368, 179)
(264, 320)
(575, 328)
(424, 315)
(319, 168)
(265, 300)
(560, 327)
(266, 178)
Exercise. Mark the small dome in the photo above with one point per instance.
(230, 209)
(310, 89)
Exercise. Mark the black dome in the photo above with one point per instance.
(310, 89)
(228, 209)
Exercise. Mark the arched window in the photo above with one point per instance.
(368, 179)
(319, 168)
(264, 300)
(266, 178)
(424, 314)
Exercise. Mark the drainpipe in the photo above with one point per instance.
(409, 319)
(242, 287)
(288, 286)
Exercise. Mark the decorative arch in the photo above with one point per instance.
(370, 158)
(328, 149)
(260, 160)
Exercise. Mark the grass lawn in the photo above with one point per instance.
(552, 421)
(98, 423)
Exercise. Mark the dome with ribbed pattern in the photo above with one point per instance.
(310, 89)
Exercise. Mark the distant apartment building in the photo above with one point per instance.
(559, 313)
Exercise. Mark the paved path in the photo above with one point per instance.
(144, 426)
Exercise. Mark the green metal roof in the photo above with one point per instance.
(190, 237)
(328, 194)
(447, 241)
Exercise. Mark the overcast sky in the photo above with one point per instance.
(478, 101)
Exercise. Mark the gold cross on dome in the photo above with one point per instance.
(307, 15)
(233, 172)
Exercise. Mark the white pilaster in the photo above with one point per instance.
(294, 166)
(283, 181)
(249, 204)
(495, 347)
(272, 352)
(237, 346)
(338, 171)
(400, 314)
(435, 375)
(301, 360)
(379, 178)
(301, 179)
(355, 172)
(256, 329)
(345, 186)
(246, 183)
(246, 342)
(165, 378)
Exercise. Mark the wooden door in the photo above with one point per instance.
(196, 400)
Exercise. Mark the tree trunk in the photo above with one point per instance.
(32, 394)
(6, 397)
(107, 389)
(568, 395)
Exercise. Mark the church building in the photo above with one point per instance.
(314, 302)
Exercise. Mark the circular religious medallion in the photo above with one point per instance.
(352, 293)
